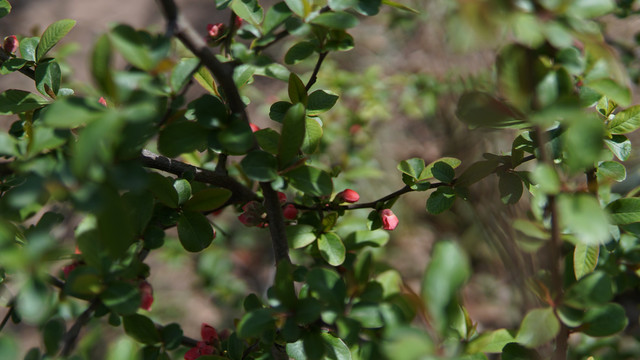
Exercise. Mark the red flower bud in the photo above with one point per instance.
(389, 219)
(254, 127)
(102, 101)
(290, 212)
(237, 22)
(192, 354)
(215, 30)
(208, 333)
(282, 197)
(11, 44)
(69, 268)
(348, 195)
(205, 349)
(147, 295)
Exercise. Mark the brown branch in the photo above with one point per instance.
(316, 70)
(276, 223)
(8, 315)
(71, 337)
(240, 193)
(279, 36)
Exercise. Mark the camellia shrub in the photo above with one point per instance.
(94, 178)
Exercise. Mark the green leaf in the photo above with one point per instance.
(441, 199)
(478, 109)
(122, 297)
(515, 351)
(624, 211)
(583, 216)
(141, 328)
(205, 79)
(5, 8)
(243, 74)
(11, 65)
(131, 44)
(195, 231)
(101, 66)
(72, 112)
(546, 178)
(283, 285)
(593, 289)
(237, 138)
(297, 90)
(292, 137)
(300, 236)
(162, 188)
(412, 167)
(182, 73)
(248, 10)
(299, 52)
(427, 172)
(511, 188)
(181, 137)
(442, 171)
(312, 136)
(278, 110)
(620, 146)
(115, 229)
(336, 20)
(268, 139)
(28, 48)
(625, 121)
(538, 327)
(52, 34)
(445, 275)
(613, 170)
(171, 336)
(399, 6)
(299, 7)
(590, 9)
(362, 238)
(18, 101)
(8, 145)
(254, 323)
(260, 166)
(604, 320)
(618, 93)
(207, 199)
(183, 188)
(331, 248)
(585, 259)
(491, 342)
(275, 16)
(310, 180)
(52, 335)
(320, 101)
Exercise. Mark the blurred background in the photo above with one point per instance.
(399, 87)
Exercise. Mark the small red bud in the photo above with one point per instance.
(11, 44)
(208, 333)
(282, 197)
(102, 101)
(192, 354)
(254, 127)
(215, 30)
(389, 219)
(237, 22)
(290, 212)
(69, 268)
(147, 295)
(349, 196)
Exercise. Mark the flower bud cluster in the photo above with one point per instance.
(208, 345)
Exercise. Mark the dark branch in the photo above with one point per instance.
(8, 315)
(276, 223)
(316, 70)
(71, 337)
(240, 193)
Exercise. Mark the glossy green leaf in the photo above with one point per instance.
(194, 231)
(312, 136)
(583, 216)
(604, 320)
(278, 110)
(141, 328)
(268, 139)
(585, 259)
(183, 188)
(625, 121)
(18, 101)
(181, 137)
(292, 137)
(320, 101)
(612, 170)
(441, 200)
(310, 180)
(51, 35)
(331, 248)
(260, 166)
(5, 8)
(299, 52)
(297, 90)
(28, 48)
(412, 167)
(336, 20)
(511, 188)
(300, 236)
(538, 327)
(443, 171)
(249, 10)
(593, 289)
(254, 323)
(624, 211)
(620, 146)
(207, 199)
(122, 297)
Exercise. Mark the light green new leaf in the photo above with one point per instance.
(585, 259)
(625, 121)
(248, 10)
(336, 20)
(538, 327)
(52, 34)
(331, 248)
(293, 134)
(583, 216)
(624, 211)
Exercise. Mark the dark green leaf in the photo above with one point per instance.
(299, 52)
(331, 248)
(122, 297)
(297, 91)
(237, 138)
(624, 211)
(511, 188)
(207, 199)
(181, 137)
(254, 323)
(283, 285)
(101, 66)
(336, 20)
(195, 231)
(248, 10)
(210, 111)
(162, 188)
(52, 334)
(141, 328)
(478, 109)
(321, 101)
(11, 65)
(268, 140)
(52, 34)
(427, 172)
(538, 327)
(278, 110)
(605, 320)
(361, 238)
(293, 134)
(310, 180)
(71, 112)
(441, 199)
(243, 74)
(171, 336)
(514, 351)
(443, 172)
(260, 166)
(593, 289)
(18, 101)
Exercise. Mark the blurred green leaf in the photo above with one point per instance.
(299, 7)
(122, 297)
(182, 73)
(478, 109)
(181, 137)
(195, 231)
(5, 8)
(254, 323)
(162, 188)
(18, 101)
(362, 238)
(210, 112)
(585, 259)
(278, 110)
(11, 65)
(583, 216)
(283, 285)
(515, 351)
(331, 248)
(51, 35)
(624, 211)
(52, 335)
(71, 112)
(249, 10)
(237, 138)
(101, 66)
(605, 320)
(619, 93)
(132, 46)
(510, 186)
(310, 180)
(171, 336)
(336, 20)
(538, 327)
(546, 178)
(141, 328)
(491, 342)
(590, 9)
(593, 289)
(399, 6)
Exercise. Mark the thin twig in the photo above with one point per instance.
(276, 223)
(71, 337)
(8, 315)
(316, 70)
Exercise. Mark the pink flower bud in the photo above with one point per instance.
(348, 195)
(389, 219)
(11, 44)
(215, 30)
(254, 127)
(290, 212)
(282, 197)
(208, 333)
(237, 22)
(147, 295)
(205, 349)
(192, 354)
(102, 101)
